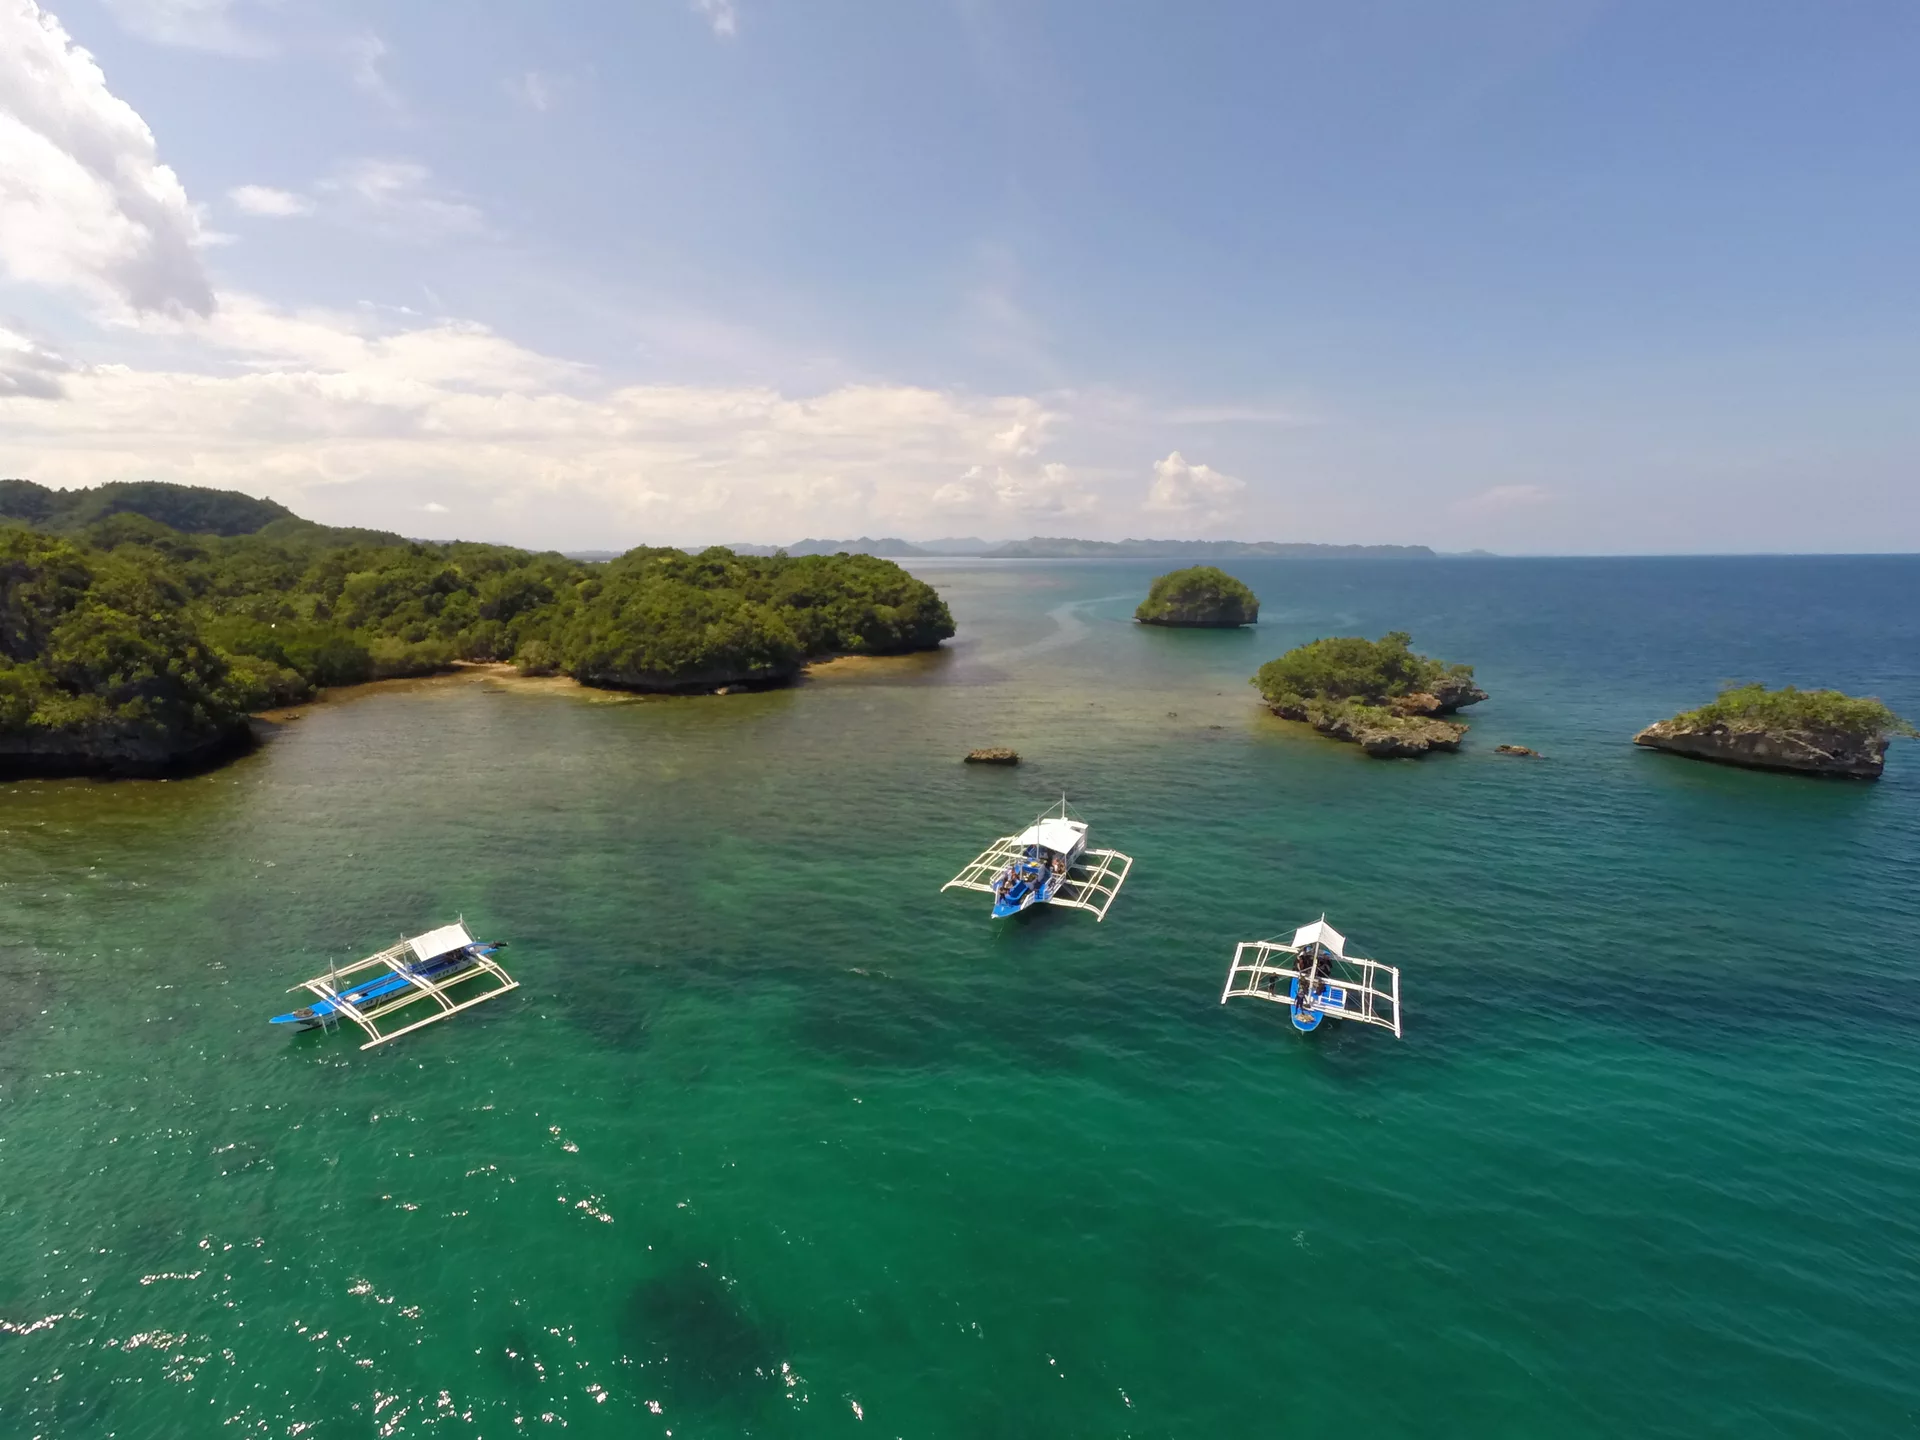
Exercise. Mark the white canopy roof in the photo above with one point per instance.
(1055, 834)
(1320, 933)
(435, 943)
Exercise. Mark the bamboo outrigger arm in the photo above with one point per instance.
(1348, 987)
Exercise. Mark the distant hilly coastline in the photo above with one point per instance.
(1048, 548)
(1042, 547)
(199, 510)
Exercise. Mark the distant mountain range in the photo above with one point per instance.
(1048, 548)
(1059, 548)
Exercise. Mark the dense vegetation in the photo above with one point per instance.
(1377, 693)
(102, 646)
(125, 633)
(663, 619)
(1200, 595)
(1351, 668)
(1754, 707)
(192, 508)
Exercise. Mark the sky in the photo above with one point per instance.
(1534, 276)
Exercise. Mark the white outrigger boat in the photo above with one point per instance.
(439, 966)
(1315, 977)
(1048, 863)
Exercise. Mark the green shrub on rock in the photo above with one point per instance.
(1199, 597)
(1377, 693)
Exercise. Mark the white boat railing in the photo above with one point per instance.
(1093, 886)
(1091, 882)
(979, 872)
(1373, 989)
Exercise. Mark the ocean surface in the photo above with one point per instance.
(776, 1139)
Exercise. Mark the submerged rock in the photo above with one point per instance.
(1517, 750)
(993, 755)
(1201, 597)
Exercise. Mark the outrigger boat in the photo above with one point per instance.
(1315, 977)
(1048, 863)
(427, 967)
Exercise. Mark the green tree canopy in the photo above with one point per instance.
(1754, 707)
(1200, 595)
(1349, 667)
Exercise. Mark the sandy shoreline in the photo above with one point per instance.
(467, 672)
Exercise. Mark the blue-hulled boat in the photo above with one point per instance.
(1048, 863)
(441, 968)
(388, 987)
(1317, 978)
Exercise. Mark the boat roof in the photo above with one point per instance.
(1320, 933)
(435, 943)
(1054, 832)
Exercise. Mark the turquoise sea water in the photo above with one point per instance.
(776, 1139)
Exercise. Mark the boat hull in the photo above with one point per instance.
(1025, 883)
(1325, 1000)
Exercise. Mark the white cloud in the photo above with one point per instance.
(192, 24)
(533, 90)
(28, 369)
(85, 203)
(396, 199)
(524, 445)
(721, 15)
(1506, 497)
(365, 53)
(1051, 489)
(267, 201)
(1199, 491)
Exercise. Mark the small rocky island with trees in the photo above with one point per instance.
(141, 624)
(1378, 694)
(1819, 732)
(1201, 597)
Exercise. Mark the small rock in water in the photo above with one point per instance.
(1517, 750)
(995, 755)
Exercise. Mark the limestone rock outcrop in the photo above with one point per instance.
(1813, 752)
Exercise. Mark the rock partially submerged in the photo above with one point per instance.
(1812, 732)
(1377, 694)
(993, 755)
(121, 752)
(1201, 597)
(1383, 732)
(1517, 750)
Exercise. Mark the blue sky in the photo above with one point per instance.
(1553, 276)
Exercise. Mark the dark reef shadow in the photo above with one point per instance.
(698, 1344)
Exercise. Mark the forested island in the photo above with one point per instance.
(1820, 732)
(1377, 694)
(1198, 597)
(141, 624)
